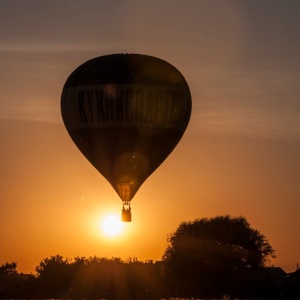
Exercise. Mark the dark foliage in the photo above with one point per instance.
(87, 278)
(206, 258)
(12, 284)
(8, 268)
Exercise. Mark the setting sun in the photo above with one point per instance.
(111, 225)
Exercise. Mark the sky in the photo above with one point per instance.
(240, 154)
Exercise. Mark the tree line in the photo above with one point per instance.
(204, 258)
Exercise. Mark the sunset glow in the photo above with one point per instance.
(111, 225)
(240, 154)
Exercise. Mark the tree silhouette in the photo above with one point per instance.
(8, 268)
(53, 276)
(98, 277)
(206, 256)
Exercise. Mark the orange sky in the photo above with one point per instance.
(240, 154)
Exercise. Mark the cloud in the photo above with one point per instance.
(38, 111)
(262, 104)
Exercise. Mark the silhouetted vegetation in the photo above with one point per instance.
(205, 258)
(92, 277)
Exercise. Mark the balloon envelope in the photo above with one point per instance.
(126, 113)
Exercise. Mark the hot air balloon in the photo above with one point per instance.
(126, 113)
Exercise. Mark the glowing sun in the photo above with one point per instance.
(111, 225)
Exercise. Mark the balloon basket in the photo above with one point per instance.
(126, 214)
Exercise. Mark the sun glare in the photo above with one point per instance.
(112, 225)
